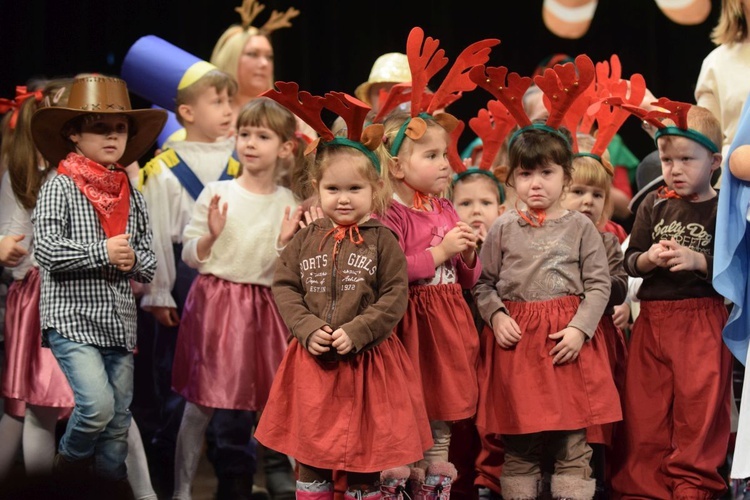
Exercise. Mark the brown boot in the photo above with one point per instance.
(65, 466)
(569, 487)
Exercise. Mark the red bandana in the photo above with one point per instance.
(107, 190)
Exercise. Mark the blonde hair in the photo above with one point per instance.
(588, 171)
(18, 151)
(228, 49)
(732, 26)
(392, 125)
(702, 120)
(381, 188)
(267, 113)
(217, 79)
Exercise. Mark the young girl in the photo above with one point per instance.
(231, 337)
(343, 397)
(32, 375)
(437, 329)
(589, 193)
(542, 292)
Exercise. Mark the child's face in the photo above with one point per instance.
(476, 201)
(210, 115)
(346, 196)
(687, 167)
(259, 148)
(103, 140)
(255, 67)
(426, 168)
(587, 199)
(541, 187)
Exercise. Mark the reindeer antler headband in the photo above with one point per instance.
(425, 60)
(561, 84)
(589, 109)
(250, 9)
(354, 112)
(492, 125)
(674, 110)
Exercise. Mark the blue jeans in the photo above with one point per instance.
(102, 382)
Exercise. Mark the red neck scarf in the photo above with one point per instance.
(423, 202)
(107, 190)
(534, 217)
(665, 192)
(339, 233)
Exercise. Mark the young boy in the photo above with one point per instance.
(91, 238)
(676, 414)
(201, 96)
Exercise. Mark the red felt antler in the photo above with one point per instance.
(609, 119)
(425, 60)
(306, 106)
(458, 81)
(454, 157)
(493, 80)
(674, 110)
(492, 125)
(351, 109)
(563, 83)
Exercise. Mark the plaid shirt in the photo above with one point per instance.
(83, 296)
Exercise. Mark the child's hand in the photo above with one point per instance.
(571, 340)
(311, 214)
(506, 330)
(167, 316)
(654, 255)
(621, 316)
(341, 342)
(289, 225)
(119, 252)
(458, 239)
(217, 217)
(681, 258)
(11, 252)
(320, 341)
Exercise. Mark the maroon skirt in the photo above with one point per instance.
(31, 373)
(522, 392)
(440, 337)
(229, 346)
(617, 351)
(360, 415)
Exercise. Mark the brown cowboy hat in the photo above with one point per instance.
(95, 94)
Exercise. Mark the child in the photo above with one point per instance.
(438, 329)
(92, 237)
(545, 282)
(478, 195)
(201, 96)
(343, 397)
(677, 386)
(235, 257)
(589, 193)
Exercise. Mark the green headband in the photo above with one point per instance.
(402, 133)
(476, 170)
(538, 126)
(689, 134)
(343, 141)
(590, 155)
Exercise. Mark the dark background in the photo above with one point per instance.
(332, 45)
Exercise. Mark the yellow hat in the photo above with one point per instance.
(392, 67)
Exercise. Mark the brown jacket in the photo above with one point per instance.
(364, 290)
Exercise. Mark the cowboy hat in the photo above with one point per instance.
(392, 67)
(95, 94)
